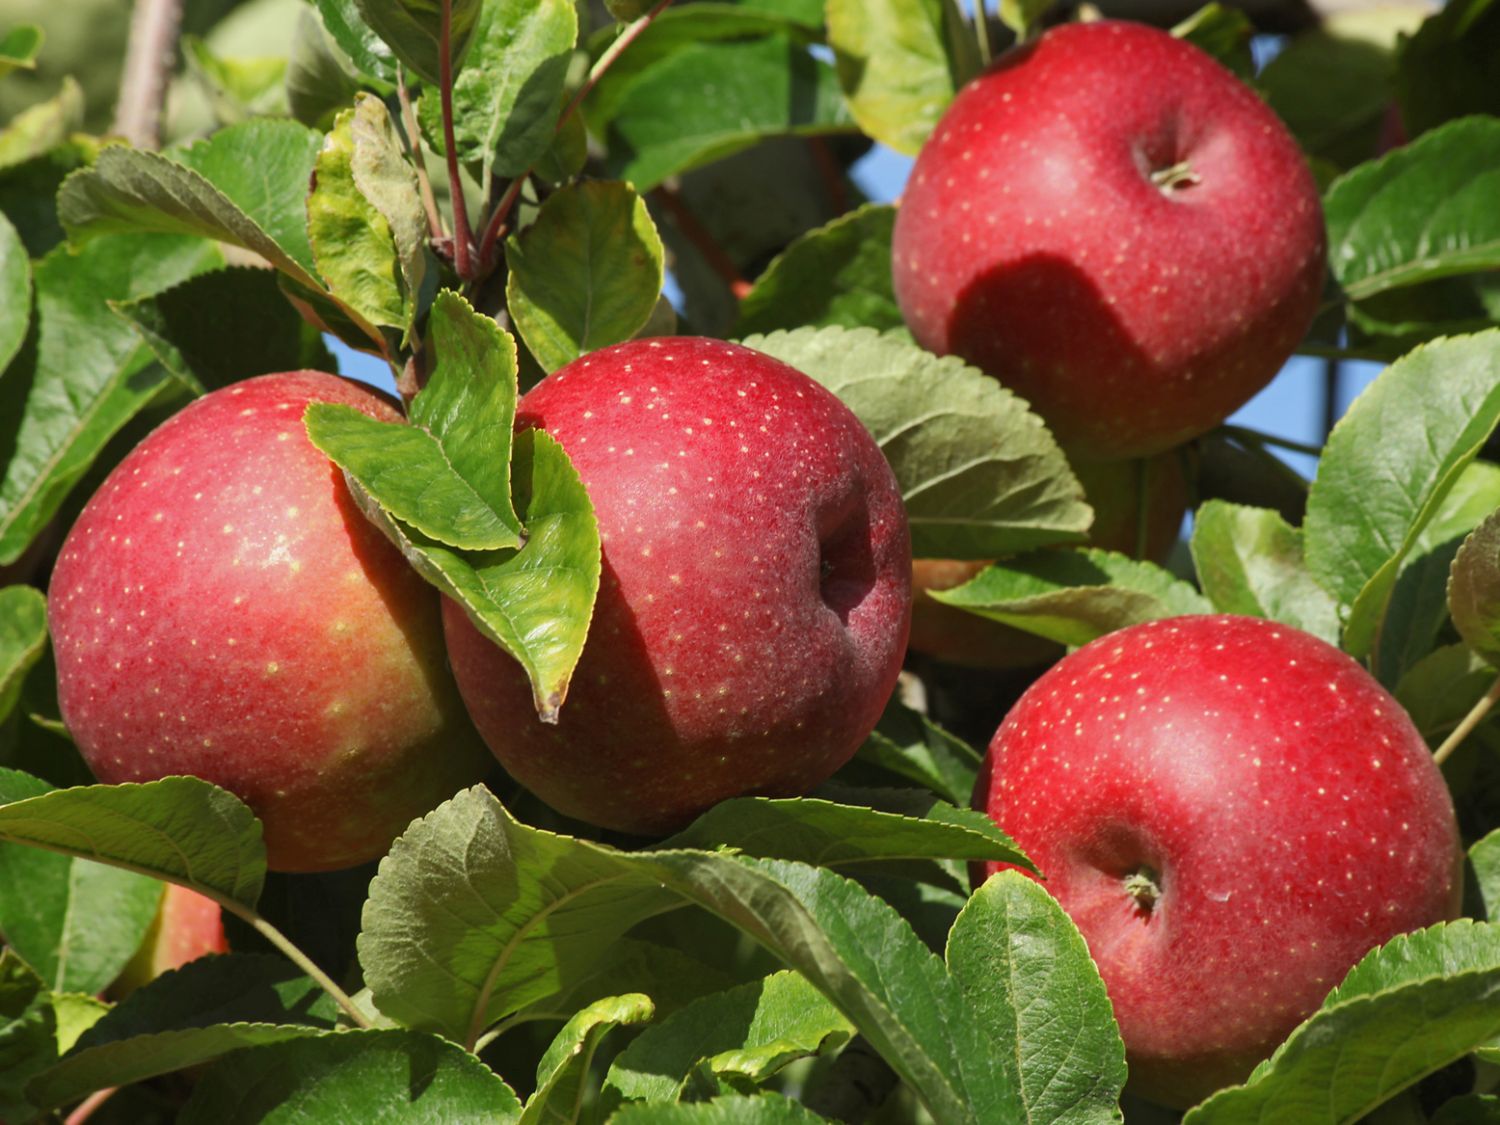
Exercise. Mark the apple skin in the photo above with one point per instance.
(1032, 240)
(755, 595)
(187, 926)
(955, 636)
(1287, 811)
(222, 609)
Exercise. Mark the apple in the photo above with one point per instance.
(187, 926)
(1118, 229)
(1233, 812)
(753, 607)
(1114, 489)
(222, 609)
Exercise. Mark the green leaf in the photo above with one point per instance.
(1441, 688)
(87, 374)
(535, 603)
(836, 274)
(1448, 68)
(979, 472)
(412, 30)
(1408, 1009)
(473, 915)
(506, 99)
(15, 292)
(385, 178)
(731, 1109)
(1420, 213)
(447, 474)
(237, 89)
(911, 745)
(1073, 597)
(77, 923)
(1468, 1109)
(224, 326)
(1249, 561)
(179, 829)
(347, 27)
(351, 241)
(188, 1017)
(19, 47)
(747, 1033)
(809, 830)
(627, 10)
(586, 274)
(23, 639)
(352, 1076)
(1040, 1001)
(246, 185)
(563, 1071)
(708, 100)
(1224, 33)
(43, 127)
(1484, 857)
(1474, 590)
(1387, 468)
(320, 80)
(900, 63)
(28, 1034)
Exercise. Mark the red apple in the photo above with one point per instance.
(187, 926)
(753, 608)
(1114, 489)
(1118, 229)
(1233, 812)
(222, 609)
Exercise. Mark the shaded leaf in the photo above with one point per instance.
(412, 29)
(1451, 66)
(356, 38)
(179, 829)
(38, 129)
(900, 63)
(23, 639)
(1222, 32)
(1249, 561)
(564, 1068)
(836, 274)
(1073, 597)
(15, 292)
(1040, 1000)
(912, 746)
(979, 472)
(586, 274)
(28, 1034)
(370, 1076)
(1474, 590)
(187, 1017)
(1484, 856)
(1441, 688)
(731, 1109)
(320, 80)
(86, 375)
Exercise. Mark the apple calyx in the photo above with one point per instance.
(1142, 885)
(1175, 177)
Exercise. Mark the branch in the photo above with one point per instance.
(154, 25)
(463, 237)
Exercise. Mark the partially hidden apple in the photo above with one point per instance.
(187, 926)
(1118, 493)
(753, 607)
(1233, 812)
(1118, 229)
(222, 609)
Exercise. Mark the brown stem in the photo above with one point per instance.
(414, 142)
(154, 25)
(1470, 721)
(463, 237)
(702, 238)
(496, 226)
(831, 173)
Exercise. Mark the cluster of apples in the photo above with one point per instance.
(1106, 220)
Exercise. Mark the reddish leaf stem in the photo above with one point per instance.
(463, 236)
(85, 1109)
(496, 228)
(435, 226)
(702, 238)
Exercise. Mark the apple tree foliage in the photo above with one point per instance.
(477, 192)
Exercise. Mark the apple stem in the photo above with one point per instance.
(1470, 721)
(1176, 176)
(300, 959)
(1140, 885)
(982, 32)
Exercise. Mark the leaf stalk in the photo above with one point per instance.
(1470, 721)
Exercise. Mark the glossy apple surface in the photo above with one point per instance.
(1233, 812)
(753, 608)
(1118, 229)
(222, 609)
